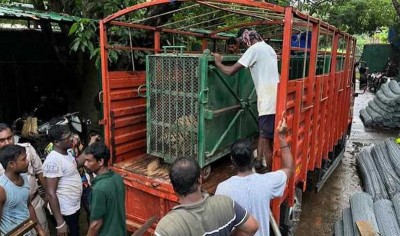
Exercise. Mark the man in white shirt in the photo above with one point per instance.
(64, 186)
(35, 173)
(262, 61)
(254, 191)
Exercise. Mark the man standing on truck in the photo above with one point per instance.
(198, 213)
(254, 191)
(35, 173)
(107, 198)
(262, 61)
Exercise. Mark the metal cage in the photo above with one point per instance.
(194, 110)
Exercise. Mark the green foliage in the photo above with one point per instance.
(352, 16)
(362, 16)
(83, 31)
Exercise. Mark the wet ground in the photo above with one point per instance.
(321, 210)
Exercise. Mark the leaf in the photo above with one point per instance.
(75, 45)
(73, 29)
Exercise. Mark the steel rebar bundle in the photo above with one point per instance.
(362, 209)
(386, 217)
(339, 228)
(383, 106)
(394, 154)
(394, 86)
(376, 117)
(396, 205)
(366, 117)
(382, 97)
(383, 110)
(383, 165)
(389, 93)
(348, 228)
(372, 181)
(386, 115)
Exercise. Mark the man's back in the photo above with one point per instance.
(261, 59)
(254, 193)
(212, 216)
(108, 203)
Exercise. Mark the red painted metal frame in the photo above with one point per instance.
(264, 5)
(317, 107)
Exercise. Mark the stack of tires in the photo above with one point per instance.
(384, 109)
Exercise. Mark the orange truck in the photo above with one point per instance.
(142, 126)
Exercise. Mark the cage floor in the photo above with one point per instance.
(150, 166)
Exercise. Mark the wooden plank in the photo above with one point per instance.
(365, 228)
(22, 228)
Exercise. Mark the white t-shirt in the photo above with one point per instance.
(34, 167)
(69, 188)
(254, 193)
(263, 63)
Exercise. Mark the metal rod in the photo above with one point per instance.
(274, 225)
(233, 121)
(165, 13)
(186, 20)
(227, 85)
(231, 108)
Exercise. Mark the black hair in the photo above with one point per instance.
(242, 156)
(4, 126)
(231, 40)
(10, 153)
(184, 175)
(240, 32)
(56, 132)
(100, 151)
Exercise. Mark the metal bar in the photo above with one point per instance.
(204, 21)
(233, 121)
(148, 111)
(226, 84)
(246, 4)
(328, 173)
(157, 41)
(281, 105)
(252, 23)
(252, 93)
(167, 30)
(223, 110)
(185, 19)
(202, 103)
(232, 11)
(166, 13)
(254, 115)
(105, 84)
(316, 91)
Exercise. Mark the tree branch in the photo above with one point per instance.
(396, 6)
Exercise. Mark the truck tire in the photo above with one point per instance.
(290, 216)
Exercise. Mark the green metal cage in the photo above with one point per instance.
(196, 111)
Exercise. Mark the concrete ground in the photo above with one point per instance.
(321, 210)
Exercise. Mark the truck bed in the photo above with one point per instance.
(148, 189)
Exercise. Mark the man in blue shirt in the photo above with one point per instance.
(15, 204)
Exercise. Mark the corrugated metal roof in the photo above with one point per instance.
(21, 12)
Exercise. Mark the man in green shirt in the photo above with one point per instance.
(107, 199)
